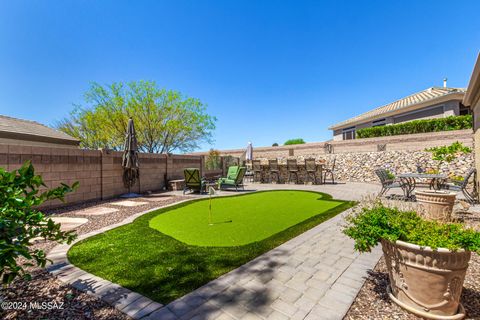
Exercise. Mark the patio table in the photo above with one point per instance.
(437, 181)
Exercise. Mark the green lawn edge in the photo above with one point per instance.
(193, 266)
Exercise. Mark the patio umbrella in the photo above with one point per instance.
(249, 152)
(130, 158)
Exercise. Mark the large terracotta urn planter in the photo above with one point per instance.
(436, 205)
(426, 282)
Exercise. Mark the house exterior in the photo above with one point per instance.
(434, 102)
(29, 133)
(472, 99)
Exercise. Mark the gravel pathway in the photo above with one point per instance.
(44, 287)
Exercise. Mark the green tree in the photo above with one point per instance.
(294, 141)
(275, 144)
(21, 221)
(165, 120)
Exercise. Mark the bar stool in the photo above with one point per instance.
(292, 169)
(330, 171)
(273, 169)
(257, 171)
(311, 169)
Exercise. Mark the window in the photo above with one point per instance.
(464, 110)
(378, 123)
(348, 133)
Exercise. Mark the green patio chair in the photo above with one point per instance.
(193, 181)
(234, 178)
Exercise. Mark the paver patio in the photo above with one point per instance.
(313, 276)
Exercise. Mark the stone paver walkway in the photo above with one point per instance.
(69, 223)
(313, 276)
(96, 211)
(128, 203)
(316, 275)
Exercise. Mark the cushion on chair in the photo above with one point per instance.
(232, 172)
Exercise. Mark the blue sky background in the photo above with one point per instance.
(268, 70)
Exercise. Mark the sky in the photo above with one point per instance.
(268, 70)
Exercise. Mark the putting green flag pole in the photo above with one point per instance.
(211, 192)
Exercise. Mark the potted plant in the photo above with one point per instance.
(426, 260)
(438, 204)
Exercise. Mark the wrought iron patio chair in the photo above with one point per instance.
(193, 181)
(274, 170)
(311, 170)
(468, 186)
(388, 183)
(249, 174)
(330, 171)
(257, 171)
(292, 168)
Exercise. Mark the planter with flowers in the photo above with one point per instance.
(426, 260)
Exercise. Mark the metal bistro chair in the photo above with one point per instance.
(470, 192)
(292, 168)
(388, 183)
(311, 170)
(249, 174)
(274, 170)
(257, 171)
(330, 171)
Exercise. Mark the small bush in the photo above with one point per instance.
(371, 225)
(213, 161)
(20, 221)
(294, 141)
(418, 126)
(275, 144)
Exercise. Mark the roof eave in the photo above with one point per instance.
(473, 89)
(32, 137)
(444, 98)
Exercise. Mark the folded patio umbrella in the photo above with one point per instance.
(249, 152)
(130, 159)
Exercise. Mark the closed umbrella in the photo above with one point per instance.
(130, 159)
(249, 152)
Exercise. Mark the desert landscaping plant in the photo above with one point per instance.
(21, 221)
(213, 161)
(446, 154)
(426, 260)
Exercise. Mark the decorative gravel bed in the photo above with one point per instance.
(372, 301)
(46, 288)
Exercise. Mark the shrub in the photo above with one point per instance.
(275, 144)
(378, 222)
(213, 160)
(390, 175)
(448, 153)
(418, 126)
(294, 141)
(20, 221)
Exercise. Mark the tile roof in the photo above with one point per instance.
(23, 128)
(426, 95)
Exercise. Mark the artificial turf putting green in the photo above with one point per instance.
(240, 220)
(162, 268)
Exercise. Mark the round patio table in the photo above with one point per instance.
(437, 181)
